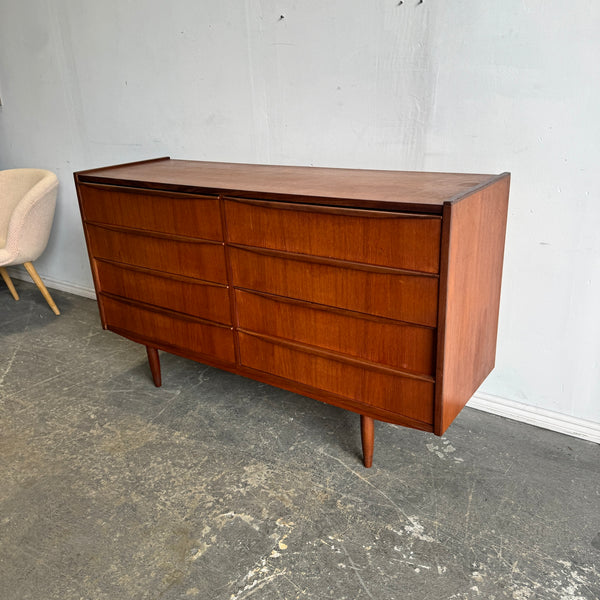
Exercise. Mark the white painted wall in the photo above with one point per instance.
(455, 86)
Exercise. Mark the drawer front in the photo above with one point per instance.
(409, 397)
(178, 214)
(382, 238)
(207, 301)
(406, 347)
(411, 298)
(194, 259)
(200, 338)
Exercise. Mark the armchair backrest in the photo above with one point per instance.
(27, 203)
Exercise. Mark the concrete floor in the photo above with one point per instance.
(219, 487)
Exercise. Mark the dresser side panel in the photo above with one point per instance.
(470, 279)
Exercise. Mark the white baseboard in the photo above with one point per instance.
(55, 284)
(540, 417)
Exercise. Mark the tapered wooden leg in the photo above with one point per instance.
(36, 279)
(9, 283)
(367, 432)
(154, 365)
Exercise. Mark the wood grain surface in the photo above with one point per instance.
(410, 397)
(391, 239)
(200, 337)
(183, 294)
(184, 215)
(404, 297)
(473, 242)
(403, 346)
(192, 258)
(413, 191)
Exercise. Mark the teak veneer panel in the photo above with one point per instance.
(165, 329)
(410, 348)
(192, 258)
(184, 215)
(399, 296)
(191, 296)
(375, 291)
(410, 397)
(388, 190)
(398, 240)
(474, 235)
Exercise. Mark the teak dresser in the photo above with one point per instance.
(376, 291)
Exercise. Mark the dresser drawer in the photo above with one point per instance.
(205, 260)
(193, 216)
(406, 297)
(384, 238)
(200, 338)
(205, 300)
(412, 398)
(406, 347)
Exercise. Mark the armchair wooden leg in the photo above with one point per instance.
(36, 279)
(367, 432)
(9, 283)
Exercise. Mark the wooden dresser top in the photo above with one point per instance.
(388, 190)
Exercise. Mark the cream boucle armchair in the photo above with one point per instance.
(27, 201)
